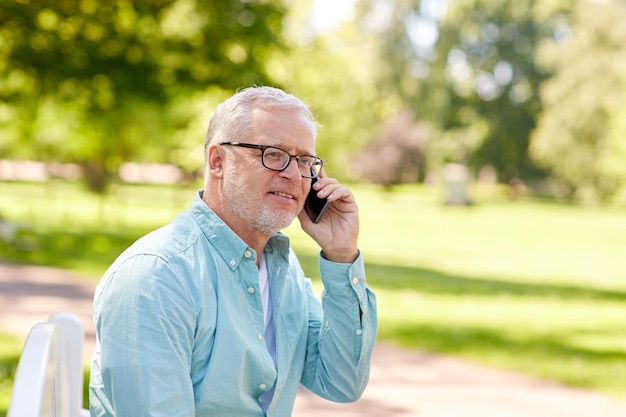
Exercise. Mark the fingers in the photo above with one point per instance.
(337, 231)
(331, 189)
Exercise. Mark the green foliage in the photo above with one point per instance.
(101, 83)
(581, 133)
(475, 80)
(332, 72)
(488, 75)
(611, 161)
(95, 82)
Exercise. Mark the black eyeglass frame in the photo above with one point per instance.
(317, 160)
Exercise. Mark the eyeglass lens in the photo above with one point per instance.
(277, 159)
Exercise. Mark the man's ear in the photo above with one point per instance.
(215, 160)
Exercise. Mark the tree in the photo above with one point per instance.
(397, 154)
(99, 83)
(581, 135)
(468, 67)
(333, 71)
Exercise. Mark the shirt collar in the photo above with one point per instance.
(226, 243)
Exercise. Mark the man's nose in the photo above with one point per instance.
(292, 170)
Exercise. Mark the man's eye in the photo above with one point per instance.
(274, 154)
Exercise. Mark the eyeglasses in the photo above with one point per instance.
(278, 159)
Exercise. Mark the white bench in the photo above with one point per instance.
(49, 377)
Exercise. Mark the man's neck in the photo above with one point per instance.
(253, 238)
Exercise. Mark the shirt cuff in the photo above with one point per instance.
(338, 277)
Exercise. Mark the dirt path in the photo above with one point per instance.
(403, 383)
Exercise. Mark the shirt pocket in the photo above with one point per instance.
(293, 335)
(294, 329)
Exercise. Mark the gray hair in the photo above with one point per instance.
(232, 118)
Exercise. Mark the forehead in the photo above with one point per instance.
(286, 128)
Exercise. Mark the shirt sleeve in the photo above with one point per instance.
(146, 337)
(342, 333)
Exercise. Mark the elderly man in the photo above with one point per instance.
(212, 315)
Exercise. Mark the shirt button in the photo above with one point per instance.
(359, 332)
(259, 336)
(355, 281)
(251, 290)
(247, 254)
(232, 262)
(262, 386)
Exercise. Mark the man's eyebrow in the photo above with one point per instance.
(298, 151)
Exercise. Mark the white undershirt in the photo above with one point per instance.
(270, 339)
(265, 295)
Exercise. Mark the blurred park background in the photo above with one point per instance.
(486, 141)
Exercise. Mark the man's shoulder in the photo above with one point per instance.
(166, 241)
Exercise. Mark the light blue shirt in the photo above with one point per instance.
(180, 332)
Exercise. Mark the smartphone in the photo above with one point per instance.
(315, 206)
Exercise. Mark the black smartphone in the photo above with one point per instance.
(315, 206)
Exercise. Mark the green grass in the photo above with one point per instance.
(61, 225)
(532, 287)
(10, 349)
(529, 286)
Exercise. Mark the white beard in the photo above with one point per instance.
(250, 208)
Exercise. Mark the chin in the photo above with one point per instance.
(272, 221)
